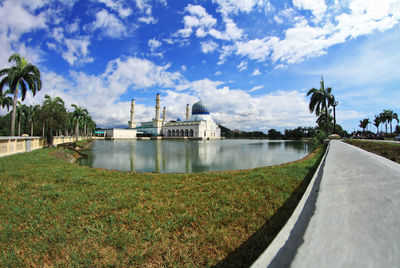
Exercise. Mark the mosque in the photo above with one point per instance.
(199, 125)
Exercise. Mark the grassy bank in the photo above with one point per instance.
(56, 213)
(389, 150)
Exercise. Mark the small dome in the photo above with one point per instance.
(200, 108)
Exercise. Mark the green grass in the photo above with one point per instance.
(389, 150)
(59, 214)
(85, 143)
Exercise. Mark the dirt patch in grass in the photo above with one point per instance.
(389, 150)
(70, 157)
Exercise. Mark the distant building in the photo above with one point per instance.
(198, 125)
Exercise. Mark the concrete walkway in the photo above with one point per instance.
(349, 216)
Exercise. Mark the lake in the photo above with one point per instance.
(167, 156)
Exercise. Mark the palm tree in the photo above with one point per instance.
(5, 101)
(54, 116)
(322, 118)
(385, 118)
(320, 100)
(377, 122)
(21, 108)
(390, 116)
(78, 114)
(91, 125)
(24, 76)
(70, 124)
(364, 124)
(30, 113)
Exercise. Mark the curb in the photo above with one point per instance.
(283, 248)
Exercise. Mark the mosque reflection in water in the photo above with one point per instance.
(168, 156)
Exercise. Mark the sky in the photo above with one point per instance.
(250, 61)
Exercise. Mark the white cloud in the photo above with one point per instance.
(256, 72)
(227, 7)
(218, 73)
(208, 46)
(100, 94)
(256, 49)
(76, 50)
(109, 24)
(118, 6)
(139, 73)
(73, 28)
(148, 20)
(376, 61)
(202, 24)
(317, 7)
(154, 44)
(287, 15)
(256, 88)
(16, 20)
(198, 19)
(237, 108)
(305, 39)
(242, 66)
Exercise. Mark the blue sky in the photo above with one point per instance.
(250, 61)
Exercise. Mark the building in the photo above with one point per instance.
(198, 125)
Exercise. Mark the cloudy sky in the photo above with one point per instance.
(250, 61)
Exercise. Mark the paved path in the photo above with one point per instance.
(351, 216)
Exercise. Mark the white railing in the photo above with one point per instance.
(13, 145)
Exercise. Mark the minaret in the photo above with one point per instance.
(157, 121)
(164, 115)
(157, 106)
(187, 112)
(131, 123)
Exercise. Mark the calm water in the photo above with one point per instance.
(192, 156)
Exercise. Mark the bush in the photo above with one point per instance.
(318, 139)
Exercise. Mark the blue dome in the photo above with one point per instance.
(200, 108)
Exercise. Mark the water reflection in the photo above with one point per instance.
(192, 156)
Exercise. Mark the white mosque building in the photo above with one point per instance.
(199, 125)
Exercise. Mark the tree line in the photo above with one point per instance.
(48, 119)
(386, 117)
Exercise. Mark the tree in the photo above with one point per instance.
(30, 113)
(321, 120)
(273, 133)
(390, 116)
(5, 101)
(78, 114)
(377, 122)
(320, 100)
(54, 116)
(385, 118)
(69, 124)
(91, 125)
(21, 108)
(364, 124)
(23, 76)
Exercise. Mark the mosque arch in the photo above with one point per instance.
(182, 133)
(169, 133)
(173, 133)
(186, 133)
(191, 133)
(177, 132)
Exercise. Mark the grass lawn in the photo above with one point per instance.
(59, 214)
(390, 150)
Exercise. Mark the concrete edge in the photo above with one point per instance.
(266, 258)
